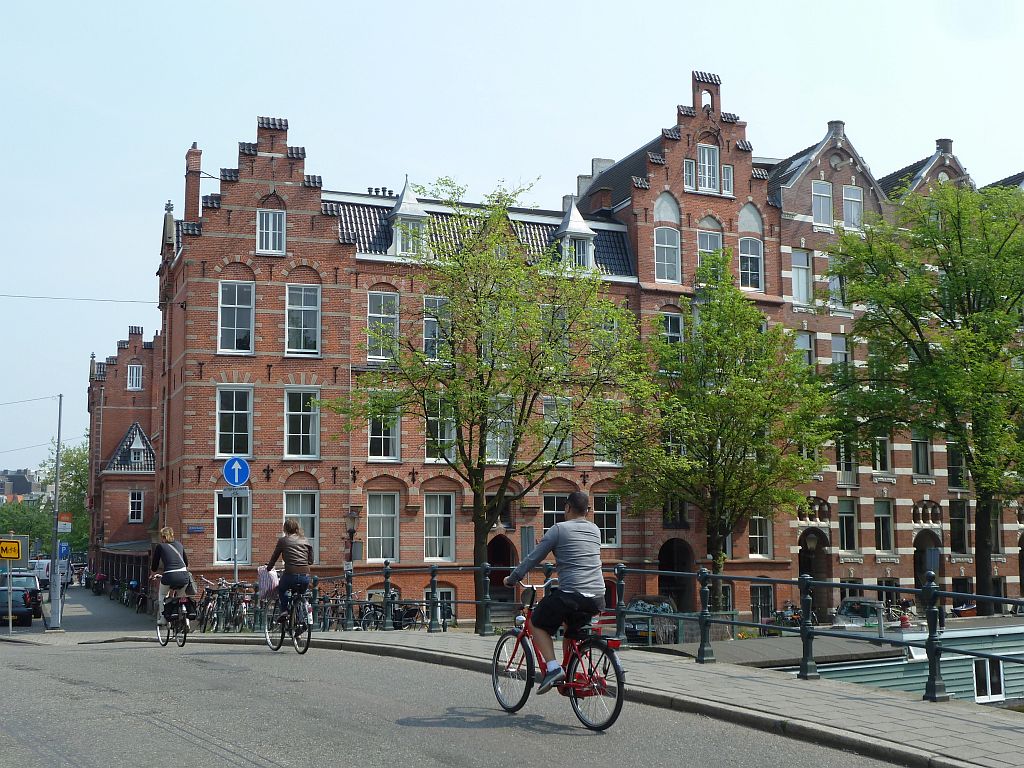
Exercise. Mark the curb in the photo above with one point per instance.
(799, 730)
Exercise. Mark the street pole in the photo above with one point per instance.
(55, 578)
(234, 535)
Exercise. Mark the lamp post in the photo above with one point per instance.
(353, 526)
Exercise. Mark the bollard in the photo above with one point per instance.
(388, 608)
(705, 654)
(620, 603)
(485, 571)
(315, 601)
(935, 688)
(433, 626)
(348, 602)
(808, 669)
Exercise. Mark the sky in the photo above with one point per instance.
(102, 100)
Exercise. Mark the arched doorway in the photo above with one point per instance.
(501, 554)
(676, 555)
(814, 559)
(927, 557)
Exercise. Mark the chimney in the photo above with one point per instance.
(945, 146)
(193, 164)
(837, 128)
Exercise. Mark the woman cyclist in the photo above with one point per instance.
(297, 553)
(169, 556)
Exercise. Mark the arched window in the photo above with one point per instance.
(666, 254)
(751, 263)
(709, 236)
(666, 208)
(750, 219)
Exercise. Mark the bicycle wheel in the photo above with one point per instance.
(512, 671)
(302, 628)
(163, 634)
(595, 683)
(417, 621)
(182, 632)
(273, 630)
(205, 616)
(372, 619)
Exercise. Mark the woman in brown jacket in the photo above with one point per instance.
(297, 553)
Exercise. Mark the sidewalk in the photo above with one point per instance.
(887, 725)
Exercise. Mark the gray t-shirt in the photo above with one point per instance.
(577, 547)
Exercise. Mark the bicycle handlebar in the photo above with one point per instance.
(545, 585)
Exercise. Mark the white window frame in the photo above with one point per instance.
(444, 595)
(749, 278)
(134, 383)
(379, 518)
(881, 455)
(667, 267)
(606, 509)
(312, 416)
(579, 249)
(410, 237)
(920, 453)
(303, 517)
(560, 449)
(301, 310)
(841, 351)
(248, 418)
(704, 244)
(847, 516)
(136, 456)
(380, 318)
(707, 168)
(553, 509)
(439, 516)
(689, 174)
(388, 433)
(805, 345)
(270, 231)
(986, 668)
(604, 455)
(499, 433)
(435, 317)
(243, 529)
(672, 327)
(726, 179)
(440, 430)
(221, 306)
(853, 206)
(136, 506)
(803, 278)
(759, 536)
(821, 191)
(884, 526)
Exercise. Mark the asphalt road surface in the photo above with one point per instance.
(135, 704)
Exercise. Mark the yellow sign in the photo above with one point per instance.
(10, 549)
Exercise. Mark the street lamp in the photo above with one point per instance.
(353, 526)
(811, 541)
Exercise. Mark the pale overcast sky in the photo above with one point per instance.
(102, 100)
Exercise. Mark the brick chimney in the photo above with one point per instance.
(193, 165)
(945, 146)
(837, 128)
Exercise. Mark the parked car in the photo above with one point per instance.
(858, 612)
(27, 580)
(656, 629)
(41, 568)
(21, 605)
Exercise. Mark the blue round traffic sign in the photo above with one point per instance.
(236, 471)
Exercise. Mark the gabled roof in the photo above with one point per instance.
(785, 171)
(904, 178)
(121, 459)
(621, 178)
(408, 207)
(1017, 180)
(573, 223)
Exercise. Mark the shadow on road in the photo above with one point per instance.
(484, 719)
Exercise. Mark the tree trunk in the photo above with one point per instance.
(983, 534)
(480, 532)
(717, 566)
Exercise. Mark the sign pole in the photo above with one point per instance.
(55, 578)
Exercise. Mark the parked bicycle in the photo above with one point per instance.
(407, 614)
(297, 623)
(594, 679)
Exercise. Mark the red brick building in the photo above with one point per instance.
(267, 288)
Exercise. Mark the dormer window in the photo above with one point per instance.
(409, 237)
(579, 252)
(136, 456)
(707, 168)
(269, 231)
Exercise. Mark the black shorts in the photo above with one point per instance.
(175, 579)
(569, 608)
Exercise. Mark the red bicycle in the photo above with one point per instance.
(594, 678)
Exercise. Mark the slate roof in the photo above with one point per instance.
(1016, 180)
(229, 174)
(277, 123)
(785, 171)
(903, 177)
(620, 176)
(121, 459)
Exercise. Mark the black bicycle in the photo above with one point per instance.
(297, 623)
(177, 608)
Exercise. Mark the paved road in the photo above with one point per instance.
(139, 704)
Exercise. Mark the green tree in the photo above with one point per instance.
(524, 364)
(27, 518)
(74, 491)
(943, 291)
(737, 417)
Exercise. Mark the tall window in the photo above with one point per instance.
(988, 680)
(557, 429)
(846, 467)
(853, 206)
(920, 447)
(956, 474)
(302, 423)
(410, 234)
(270, 231)
(803, 277)
(580, 247)
(605, 451)
(385, 437)
(880, 455)
(304, 506)
(997, 530)
(499, 431)
(883, 525)
(134, 377)
(438, 526)
(726, 179)
(959, 542)
(554, 508)
(751, 263)
(821, 203)
(440, 442)
(762, 601)
(435, 325)
(707, 168)
(836, 287)
(689, 174)
(606, 518)
(381, 526)
(236, 316)
(666, 254)
(759, 528)
(672, 327)
(303, 318)
(228, 548)
(709, 240)
(135, 506)
(805, 345)
(234, 422)
(381, 324)
(840, 352)
(847, 524)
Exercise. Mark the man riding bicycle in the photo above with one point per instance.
(576, 543)
(169, 556)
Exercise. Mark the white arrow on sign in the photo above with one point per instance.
(236, 467)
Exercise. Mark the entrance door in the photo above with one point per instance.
(676, 555)
(501, 554)
(815, 560)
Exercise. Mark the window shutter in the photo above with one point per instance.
(526, 541)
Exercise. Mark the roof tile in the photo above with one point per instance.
(246, 148)
(901, 178)
(759, 173)
(707, 77)
(641, 183)
(211, 201)
(730, 117)
(297, 153)
(312, 181)
(744, 145)
(656, 157)
(275, 123)
(229, 174)
(671, 133)
(687, 111)
(1015, 180)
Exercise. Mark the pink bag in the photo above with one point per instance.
(266, 580)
